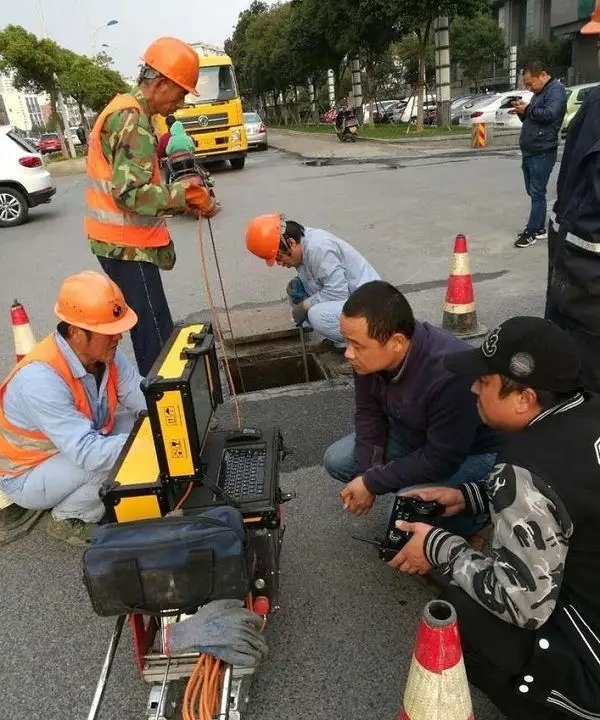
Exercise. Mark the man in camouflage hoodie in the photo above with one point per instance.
(126, 199)
(528, 607)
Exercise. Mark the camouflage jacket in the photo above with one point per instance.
(520, 578)
(129, 144)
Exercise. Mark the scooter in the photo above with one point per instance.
(182, 165)
(346, 125)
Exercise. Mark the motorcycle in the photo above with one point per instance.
(346, 125)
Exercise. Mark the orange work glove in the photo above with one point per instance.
(199, 199)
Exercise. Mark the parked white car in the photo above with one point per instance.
(506, 115)
(484, 110)
(256, 131)
(24, 180)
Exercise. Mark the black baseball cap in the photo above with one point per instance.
(529, 350)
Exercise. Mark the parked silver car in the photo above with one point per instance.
(256, 131)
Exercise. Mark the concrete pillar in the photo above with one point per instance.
(331, 86)
(514, 73)
(356, 83)
(442, 47)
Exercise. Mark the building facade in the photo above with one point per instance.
(21, 110)
(527, 20)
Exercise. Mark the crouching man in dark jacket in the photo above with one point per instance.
(415, 423)
(542, 119)
(529, 609)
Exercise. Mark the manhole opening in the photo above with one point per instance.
(266, 373)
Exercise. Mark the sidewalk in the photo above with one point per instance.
(312, 145)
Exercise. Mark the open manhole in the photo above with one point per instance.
(271, 372)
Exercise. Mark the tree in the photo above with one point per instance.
(555, 54)
(34, 64)
(90, 85)
(476, 43)
(418, 18)
(235, 46)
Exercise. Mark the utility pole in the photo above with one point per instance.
(62, 108)
(442, 71)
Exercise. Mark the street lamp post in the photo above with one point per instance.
(97, 30)
(59, 97)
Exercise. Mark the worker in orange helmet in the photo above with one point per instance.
(328, 270)
(126, 199)
(60, 434)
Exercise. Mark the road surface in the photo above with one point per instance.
(342, 641)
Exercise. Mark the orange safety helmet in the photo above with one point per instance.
(176, 60)
(92, 301)
(263, 235)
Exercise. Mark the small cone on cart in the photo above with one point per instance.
(437, 686)
(24, 339)
(460, 314)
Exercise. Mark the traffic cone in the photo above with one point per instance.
(437, 686)
(24, 339)
(460, 316)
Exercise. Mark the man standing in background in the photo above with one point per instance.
(542, 119)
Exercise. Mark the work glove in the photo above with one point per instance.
(299, 313)
(198, 198)
(224, 629)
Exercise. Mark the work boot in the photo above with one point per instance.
(71, 531)
(15, 522)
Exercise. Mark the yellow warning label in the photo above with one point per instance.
(177, 448)
(171, 416)
(174, 431)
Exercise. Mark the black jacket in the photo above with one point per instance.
(433, 411)
(543, 571)
(543, 118)
(574, 282)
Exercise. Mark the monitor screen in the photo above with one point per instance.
(202, 397)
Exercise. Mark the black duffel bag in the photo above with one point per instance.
(169, 565)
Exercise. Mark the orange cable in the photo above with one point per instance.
(217, 323)
(201, 697)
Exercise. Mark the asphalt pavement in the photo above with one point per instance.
(342, 641)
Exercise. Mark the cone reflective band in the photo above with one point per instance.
(479, 135)
(5, 501)
(460, 316)
(24, 339)
(437, 686)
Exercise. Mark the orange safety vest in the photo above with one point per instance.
(20, 449)
(105, 220)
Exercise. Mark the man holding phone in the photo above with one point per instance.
(542, 118)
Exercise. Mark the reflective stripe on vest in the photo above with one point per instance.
(105, 220)
(20, 449)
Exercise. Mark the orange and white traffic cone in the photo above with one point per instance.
(23, 336)
(460, 315)
(437, 687)
(24, 342)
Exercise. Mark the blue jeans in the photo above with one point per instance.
(323, 317)
(141, 284)
(536, 172)
(59, 485)
(340, 462)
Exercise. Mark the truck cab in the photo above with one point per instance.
(214, 118)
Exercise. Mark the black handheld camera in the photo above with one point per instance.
(409, 509)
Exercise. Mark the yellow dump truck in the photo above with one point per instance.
(214, 118)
